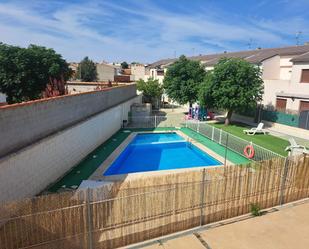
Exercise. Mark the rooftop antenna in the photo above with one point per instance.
(297, 37)
(249, 44)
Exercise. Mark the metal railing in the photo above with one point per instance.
(230, 141)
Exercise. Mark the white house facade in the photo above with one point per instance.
(285, 72)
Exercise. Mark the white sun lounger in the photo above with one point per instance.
(296, 148)
(256, 130)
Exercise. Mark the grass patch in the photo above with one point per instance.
(217, 148)
(270, 142)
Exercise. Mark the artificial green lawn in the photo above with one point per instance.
(84, 169)
(270, 142)
(215, 147)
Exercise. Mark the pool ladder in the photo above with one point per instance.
(189, 142)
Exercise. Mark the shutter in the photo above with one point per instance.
(304, 106)
(280, 104)
(305, 76)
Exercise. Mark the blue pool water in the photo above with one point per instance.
(159, 151)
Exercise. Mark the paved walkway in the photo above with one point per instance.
(285, 229)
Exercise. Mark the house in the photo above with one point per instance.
(76, 87)
(138, 71)
(285, 72)
(158, 69)
(73, 66)
(106, 72)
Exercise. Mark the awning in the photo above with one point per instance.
(293, 95)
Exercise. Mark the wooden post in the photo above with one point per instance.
(89, 219)
(284, 175)
(198, 126)
(202, 196)
(227, 139)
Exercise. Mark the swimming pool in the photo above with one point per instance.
(159, 151)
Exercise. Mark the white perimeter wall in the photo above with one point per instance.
(32, 169)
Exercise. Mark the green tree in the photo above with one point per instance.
(87, 70)
(26, 72)
(182, 80)
(151, 89)
(204, 93)
(124, 65)
(234, 85)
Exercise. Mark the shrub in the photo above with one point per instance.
(255, 209)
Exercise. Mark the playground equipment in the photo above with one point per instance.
(199, 113)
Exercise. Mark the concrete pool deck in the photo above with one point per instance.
(284, 229)
(87, 167)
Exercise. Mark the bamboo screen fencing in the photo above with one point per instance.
(148, 207)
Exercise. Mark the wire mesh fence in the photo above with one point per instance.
(155, 121)
(230, 141)
(219, 136)
(144, 208)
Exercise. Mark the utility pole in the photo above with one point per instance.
(80, 71)
(193, 51)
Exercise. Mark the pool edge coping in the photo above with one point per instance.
(97, 175)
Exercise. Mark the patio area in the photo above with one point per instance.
(286, 228)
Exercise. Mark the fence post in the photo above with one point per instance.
(220, 139)
(227, 139)
(198, 126)
(285, 172)
(202, 197)
(89, 219)
(212, 135)
(155, 119)
(306, 126)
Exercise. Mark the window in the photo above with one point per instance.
(303, 106)
(304, 76)
(160, 72)
(280, 104)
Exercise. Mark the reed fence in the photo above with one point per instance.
(132, 211)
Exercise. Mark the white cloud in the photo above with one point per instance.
(140, 31)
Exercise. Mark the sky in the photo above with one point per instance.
(148, 30)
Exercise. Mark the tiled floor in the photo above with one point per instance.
(285, 229)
